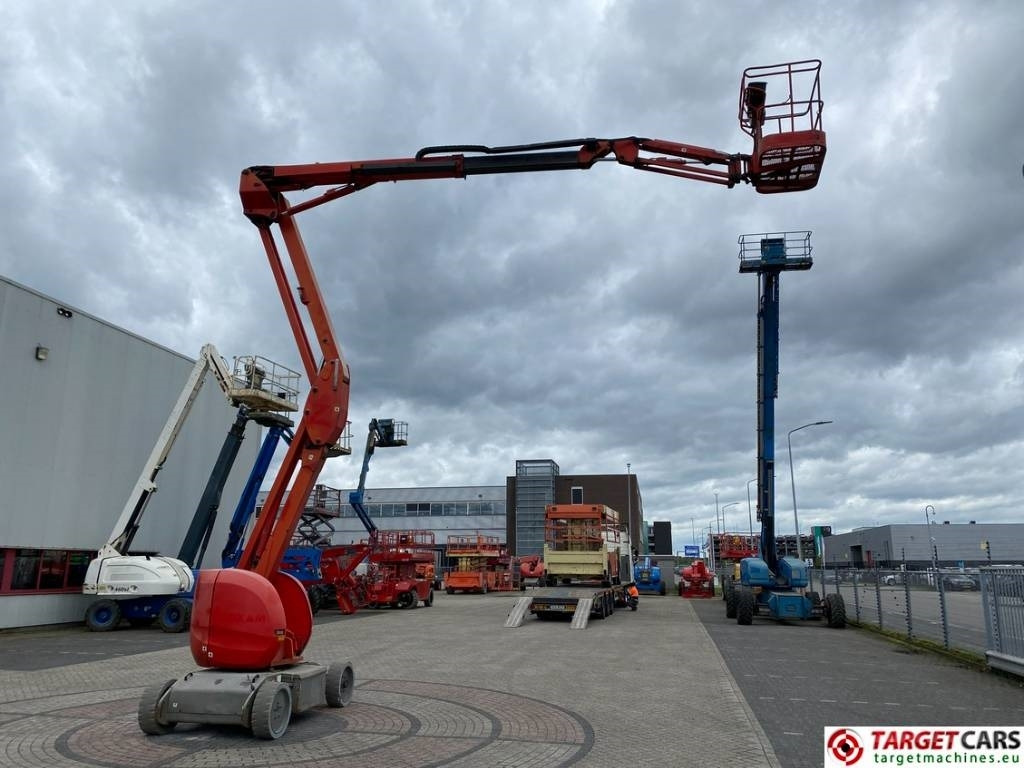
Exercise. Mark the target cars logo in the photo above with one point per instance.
(843, 746)
(946, 745)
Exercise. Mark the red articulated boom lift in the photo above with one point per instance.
(697, 580)
(250, 624)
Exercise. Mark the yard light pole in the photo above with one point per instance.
(750, 518)
(930, 520)
(716, 513)
(725, 507)
(629, 498)
(711, 546)
(792, 484)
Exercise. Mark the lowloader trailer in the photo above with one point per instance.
(581, 602)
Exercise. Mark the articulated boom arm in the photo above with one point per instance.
(325, 412)
(386, 433)
(127, 524)
(788, 151)
(262, 187)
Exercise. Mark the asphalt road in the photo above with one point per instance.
(800, 677)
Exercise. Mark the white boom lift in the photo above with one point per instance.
(143, 587)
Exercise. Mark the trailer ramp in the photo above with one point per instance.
(518, 612)
(582, 613)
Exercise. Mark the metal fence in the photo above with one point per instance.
(979, 611)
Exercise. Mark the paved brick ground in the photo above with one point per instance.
(440, 686)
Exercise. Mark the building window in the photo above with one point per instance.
(53, 569)
(576, 495)
(24, 571)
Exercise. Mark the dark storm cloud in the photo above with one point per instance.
(595, 317)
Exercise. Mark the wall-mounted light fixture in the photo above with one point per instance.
(42, 352)
(65, 312)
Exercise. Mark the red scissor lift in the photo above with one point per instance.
(482, 564)
(401, 570)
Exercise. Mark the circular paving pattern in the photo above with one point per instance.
(388, 723)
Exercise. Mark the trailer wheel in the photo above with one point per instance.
(174, 615)
(103, 615)
(149, 710)
(745, 606)
(662, 589)
(731, 603)
(430, 599)
(271, 710)
(449, 590)
(339, 684)
(835, 611)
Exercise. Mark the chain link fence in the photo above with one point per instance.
(980, 612)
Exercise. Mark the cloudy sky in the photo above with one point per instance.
(596, 318)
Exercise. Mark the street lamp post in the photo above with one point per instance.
(725, 507)
(693, 531)
(716, 513)
(711, 546)
(930, 520)
(629, 509)
(750, 518)
(792, 484)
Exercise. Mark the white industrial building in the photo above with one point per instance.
(919, 546)
(84, 402)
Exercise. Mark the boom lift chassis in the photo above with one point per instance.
(251, 624)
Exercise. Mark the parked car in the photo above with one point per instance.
(958, 583)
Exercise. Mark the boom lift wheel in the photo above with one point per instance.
(174, 615)
(430, 599)
(103, 615)
(835, 611)
(745, 606)
(271, 710)
(731, 602)
(339, 684)
(315, 598)
(149, 710)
